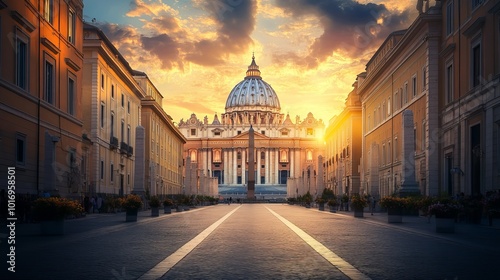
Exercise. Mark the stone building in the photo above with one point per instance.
(163, 143)
(343, 148)
(112, 115)
(41, 125)
(286, 151)
(469, 94)
(399, 93)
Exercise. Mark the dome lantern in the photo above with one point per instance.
(253, 70)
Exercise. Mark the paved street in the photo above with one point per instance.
(254, 241)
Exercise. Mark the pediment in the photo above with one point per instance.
(257, 136)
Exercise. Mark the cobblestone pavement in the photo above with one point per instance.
(253, 241)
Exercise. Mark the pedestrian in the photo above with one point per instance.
(99, 204)
(230, 199)
(372, 204)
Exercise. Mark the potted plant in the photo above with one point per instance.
(395, 206)
(167, 206)
(131, 203)
(445, 213)
(51, 211)
(154, 203)
(358, 202)
(491, 204)
(321, 203)
(333, 203)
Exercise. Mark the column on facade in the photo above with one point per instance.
(243, 166)
(291, 163)
(268, 155)
(204, 160)
(209, 163)
(276, 166)
(257, 179)
(488, 148)
(225, 153)
(235, 166)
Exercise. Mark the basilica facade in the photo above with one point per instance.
(287, 153)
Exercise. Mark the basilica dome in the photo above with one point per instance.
(253, 94)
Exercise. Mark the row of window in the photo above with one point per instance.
(112, 124)
(49, 75)
(401, 97)
(450, 14)
(475, 70)
(49, 12)
(112, 93)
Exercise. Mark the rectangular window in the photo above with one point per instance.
(20, 150)
(128, 106)
(310, 131)
(123, 100)
(49, 11)
(263, 132)
(122, 131)
(102, 169)
(103, 112)
(449, 18)
(113, 91)
(71, 96)
(405, 93)
(414, 86)
(193, 131)
(389, 106)
(449, 83)
(128, 134)
(395, 101)
(476, 65)
(102, 81)
(217, 133)
(49, 82)
(262, 179)
(22, 62)
(71, 26)
(238, 180)
(112, 124)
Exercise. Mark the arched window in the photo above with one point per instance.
(309, 155)
(192, 153)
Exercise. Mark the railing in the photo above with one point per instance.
(123, 148)
(113, 143)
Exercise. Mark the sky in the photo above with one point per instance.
(196, 51)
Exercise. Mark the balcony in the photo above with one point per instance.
(130, 151)
(113, 143)
(123, 148)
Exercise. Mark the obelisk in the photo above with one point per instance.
(251, 165)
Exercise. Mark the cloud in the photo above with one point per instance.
(139, 8)
(348, 27)
(165, 48)
(235, 21)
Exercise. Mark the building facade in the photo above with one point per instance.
(399, 93)
(164, 144)
(112, 114)
(41, 126)
(469, 74)
(343, 148)
(285, 151)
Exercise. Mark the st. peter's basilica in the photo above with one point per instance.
(287, 153)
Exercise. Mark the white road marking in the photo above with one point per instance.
(346, 268)
(165, 265)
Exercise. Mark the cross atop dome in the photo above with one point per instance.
(253, 70)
